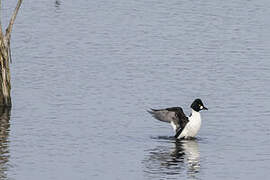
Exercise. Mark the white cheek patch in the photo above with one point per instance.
(201, 107)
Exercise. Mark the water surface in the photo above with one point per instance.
(84, 73)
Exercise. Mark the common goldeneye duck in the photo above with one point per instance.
(184, 127)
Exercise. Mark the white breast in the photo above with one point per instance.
(193, 126)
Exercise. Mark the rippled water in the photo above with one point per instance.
(84, 73)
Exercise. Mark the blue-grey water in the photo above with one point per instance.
(84, 73)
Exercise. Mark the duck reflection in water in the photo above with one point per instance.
(4, 133)
(164, 161)
(57, 3)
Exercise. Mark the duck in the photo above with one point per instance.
(185, 127)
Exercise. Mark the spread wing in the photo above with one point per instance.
(173, 115)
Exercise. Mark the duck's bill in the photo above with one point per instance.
(205, 108)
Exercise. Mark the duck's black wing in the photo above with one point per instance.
(173, 114)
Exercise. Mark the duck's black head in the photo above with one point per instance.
(197, 105)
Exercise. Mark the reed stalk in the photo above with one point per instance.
(5, 58)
